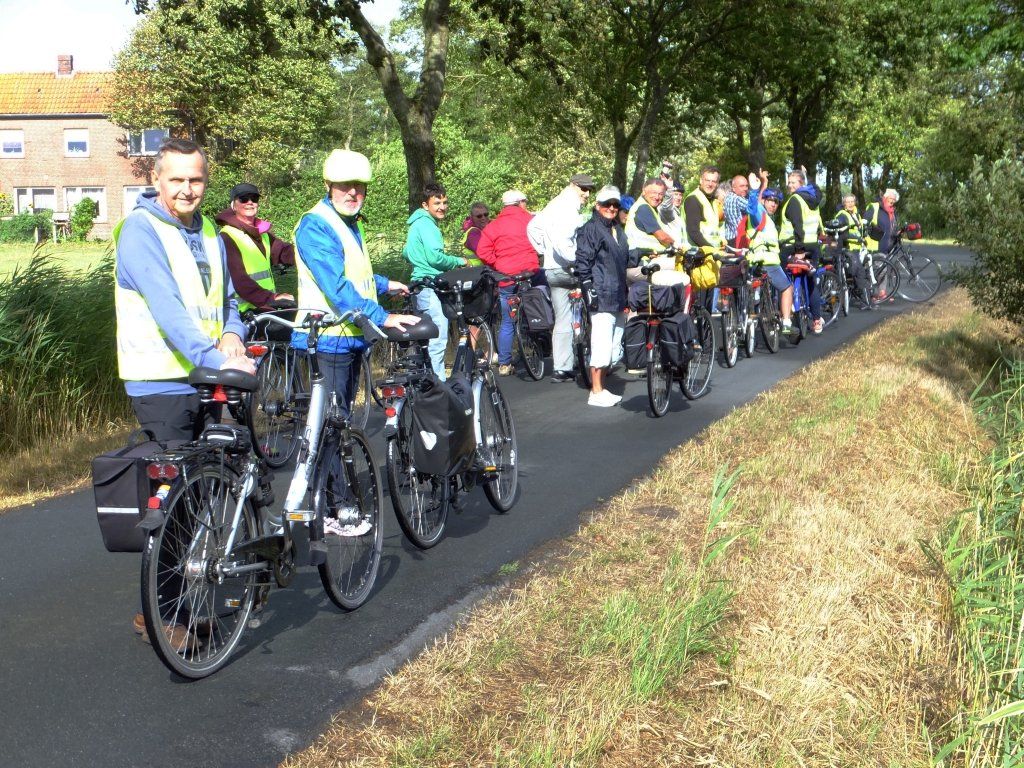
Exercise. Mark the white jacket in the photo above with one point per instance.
(552, 232)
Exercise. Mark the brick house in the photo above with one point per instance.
(57, 145)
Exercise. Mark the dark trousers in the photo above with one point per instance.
(168, 417)
(341, 374)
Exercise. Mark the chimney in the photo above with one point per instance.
(65, 65)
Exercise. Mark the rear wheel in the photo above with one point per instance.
(347, 487)
(530, 352)
(768, 317)
(659, 377)
(272, 414)
(193, 619)
(496, 445)
(420, 500)
(697, 375)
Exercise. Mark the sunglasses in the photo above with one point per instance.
(610, 204)
(248, 198)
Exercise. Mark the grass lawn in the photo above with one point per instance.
(77, 256)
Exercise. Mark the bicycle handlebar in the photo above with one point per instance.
(317, 320)
(650, 269)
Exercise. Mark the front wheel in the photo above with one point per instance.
(920, 277)
(768, 318)
(831, 297)
(420, 500)
(195, 619)
(581, 346)
(697, 375)
(730, 334)
(659, 378)
(346, 487)
(885, 280)
(530, 352)
(496, 444)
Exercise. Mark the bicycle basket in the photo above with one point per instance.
(477, 285)
(913, 232)
(656, 299)
(732, 274)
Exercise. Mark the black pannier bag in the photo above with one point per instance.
(443, 442)
(676, 339)
(536, 306)
(122, 488)
(634, 343)
(732, 274)
(645, 297)
(477, 292)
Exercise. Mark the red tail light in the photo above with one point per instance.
(257, 350)
(390, 412)
(162, 471)
(219, 395)
(389, 391)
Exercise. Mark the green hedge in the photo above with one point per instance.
(22, 228)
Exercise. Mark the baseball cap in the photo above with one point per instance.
(583, 181)
(512, 197)
(243, 189)
(607, 194)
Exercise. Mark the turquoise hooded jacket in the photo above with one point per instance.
(424, 247)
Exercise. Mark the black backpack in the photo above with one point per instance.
(536, 306)
(644, 297)
(443, 442)
(634, 343)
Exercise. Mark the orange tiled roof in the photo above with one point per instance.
(43, 93)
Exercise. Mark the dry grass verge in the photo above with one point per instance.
(820, 638)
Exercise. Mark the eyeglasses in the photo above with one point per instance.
(248, 198)
(610, 204)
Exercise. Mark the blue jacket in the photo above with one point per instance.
(142, 266)
(324, 255)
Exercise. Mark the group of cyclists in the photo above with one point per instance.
(182, 349)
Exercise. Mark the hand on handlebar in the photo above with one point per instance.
(396, 287)
(401, 321)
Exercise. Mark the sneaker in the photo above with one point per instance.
(603, 399)
(560, 377)
(505, 370)
(818, 326)
(787, 328)
(494, 358)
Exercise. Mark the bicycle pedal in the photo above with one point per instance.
(301, 516)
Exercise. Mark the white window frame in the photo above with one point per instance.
(145, 151)
(128, 203)
(76, 136)
(30, 192)
(74, 195)
(12, 136)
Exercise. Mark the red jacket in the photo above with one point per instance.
(503, 244)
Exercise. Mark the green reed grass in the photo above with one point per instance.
(983, 556)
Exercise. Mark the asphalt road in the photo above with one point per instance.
(77, 688)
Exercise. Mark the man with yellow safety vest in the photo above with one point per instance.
(703, 228)
(252, 249)
(174, 303)
(763, 241)
(336, 276)
(645, 230)
(881, 220)
(850, 243)
(801, 223)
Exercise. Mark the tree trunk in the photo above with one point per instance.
(857, 185)
(622, 146)
(645, 136)
(833, 190)
(420, 155)
(883, 180)
(758, 154)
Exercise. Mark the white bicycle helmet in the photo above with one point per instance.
(346, 165)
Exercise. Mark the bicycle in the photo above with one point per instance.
(526, 343)
(798, 268)
(580, 313)
(763, 307)
(214, 545)
(727, 299)
(422, 499)
(829, 289)
(919, 276)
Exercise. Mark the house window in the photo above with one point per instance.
(131, 194)
(27, 199)
(74, 195)
(146, 142)
(76, 142)
(12, 143)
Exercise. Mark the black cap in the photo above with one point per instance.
(583, 181)
(243, 189)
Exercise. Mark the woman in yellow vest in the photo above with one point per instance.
(801, 222)
(252, 250)
(335, 274)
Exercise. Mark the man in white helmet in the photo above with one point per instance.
(335, 274)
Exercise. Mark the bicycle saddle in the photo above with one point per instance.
(212, 377)
(424, 330)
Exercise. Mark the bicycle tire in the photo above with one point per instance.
(920, 277)
(484, 347)
(730, 334)
(659, 383)
(749, 334)
(496, 443)
(581, 348)
(200, 508)
(363, 397)
(349, 481)
(828, 289)
(885, 280)
(697, 375)
(529, 352)
(272, 413)
(768, 317)
(418, 499)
